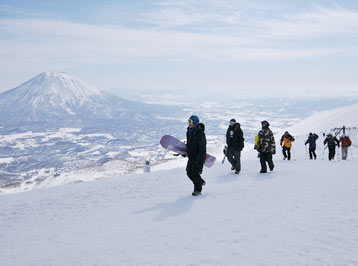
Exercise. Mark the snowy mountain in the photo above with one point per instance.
(59, 100)
(55, 123)
(328, 120)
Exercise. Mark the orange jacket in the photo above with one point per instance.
(346, 142)
(287, 141)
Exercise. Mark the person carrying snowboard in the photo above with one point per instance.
(345, 143)
(331, 143)
(196, 152)
(235, 144)
(311, 141)
(266, 146)
(287, 140)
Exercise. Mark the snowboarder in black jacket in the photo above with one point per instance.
(235, 144)
(331, 143)
(196, 152)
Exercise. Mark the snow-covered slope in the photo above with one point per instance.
(302, 213)
(327, 120)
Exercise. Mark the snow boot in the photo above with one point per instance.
(196, 193)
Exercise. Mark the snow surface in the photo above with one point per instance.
(56, 88)
(302, 213)
(327, 120)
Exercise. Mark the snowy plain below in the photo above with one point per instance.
(302, 213)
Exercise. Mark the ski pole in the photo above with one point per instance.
(306, 150)
(293, 154)
(323, 152)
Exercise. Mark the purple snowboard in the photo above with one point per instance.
(175, 145)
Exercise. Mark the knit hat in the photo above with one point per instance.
(194, 118)
(265, 123)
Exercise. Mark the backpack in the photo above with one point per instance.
(257, 144)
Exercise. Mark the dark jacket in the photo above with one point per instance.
(312, 141)
(235, 137)
(266, 142)
(331, 142)
(196, 146)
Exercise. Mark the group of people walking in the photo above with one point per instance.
(264, 144)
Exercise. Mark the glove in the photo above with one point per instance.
(273, 152)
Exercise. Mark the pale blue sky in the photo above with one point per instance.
(237, 47)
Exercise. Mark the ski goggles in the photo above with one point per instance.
(190, 121)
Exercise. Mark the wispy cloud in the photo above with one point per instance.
(183, 32)
(50, 39)
(238, 37)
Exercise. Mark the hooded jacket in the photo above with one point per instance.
(235, 137)
(312, 141)
(266, 142)
(196, 145)
(346, 141)
(331, 142)
(287, 140)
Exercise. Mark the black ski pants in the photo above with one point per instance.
(233, 157)
(194, 175)
(312, 153)
(266, 157)
(331, 153)
(288, 154)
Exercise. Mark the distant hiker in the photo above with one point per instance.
(345, 143)
(235, 144)
(146, 167)
(196, 152)
(287, 140)
(266, 146)
(331, 143)
(311, 141)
